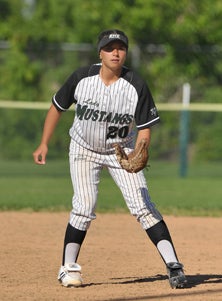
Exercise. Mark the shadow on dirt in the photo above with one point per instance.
(198, 279)
(192, 282)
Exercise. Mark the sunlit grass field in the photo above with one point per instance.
(26, 186)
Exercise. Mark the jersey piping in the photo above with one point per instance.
(106, 114)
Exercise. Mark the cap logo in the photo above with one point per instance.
(114, 36)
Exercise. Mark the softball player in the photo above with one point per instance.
(113, 105)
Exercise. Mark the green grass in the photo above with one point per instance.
(26, 186)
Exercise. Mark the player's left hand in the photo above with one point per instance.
(134, 161)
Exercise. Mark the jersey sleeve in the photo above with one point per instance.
(64, 97)
(146, 114)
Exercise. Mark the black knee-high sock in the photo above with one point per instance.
(73, 235)
(158, 233)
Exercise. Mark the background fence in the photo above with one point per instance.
(23, 132)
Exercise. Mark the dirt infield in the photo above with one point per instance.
(117, 259)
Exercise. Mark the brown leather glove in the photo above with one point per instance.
(134, 161)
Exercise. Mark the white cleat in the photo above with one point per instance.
(70, 275)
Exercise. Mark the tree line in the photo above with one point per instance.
(171, 42)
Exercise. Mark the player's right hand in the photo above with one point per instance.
(40, 153)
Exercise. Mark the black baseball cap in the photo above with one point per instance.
(111, 35)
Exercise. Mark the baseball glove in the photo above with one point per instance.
(134, 161)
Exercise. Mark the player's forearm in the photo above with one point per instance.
(51, 121)
(143, 134)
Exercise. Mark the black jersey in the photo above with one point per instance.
(106, 114)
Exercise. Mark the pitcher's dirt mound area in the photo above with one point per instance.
(118, 261)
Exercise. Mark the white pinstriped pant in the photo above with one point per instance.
(85, 168)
